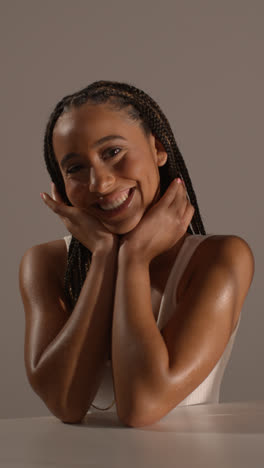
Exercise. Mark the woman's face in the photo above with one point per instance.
(103, 155)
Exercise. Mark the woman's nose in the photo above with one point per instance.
(101, 179)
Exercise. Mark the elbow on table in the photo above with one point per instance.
(139, 422)
(72, 420)
(139, 419)
(68, 417)
(55, 406)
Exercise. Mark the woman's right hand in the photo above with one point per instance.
(84, 227)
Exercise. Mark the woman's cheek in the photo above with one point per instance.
(77, 193)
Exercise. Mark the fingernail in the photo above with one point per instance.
(43, 196)
(179, 181)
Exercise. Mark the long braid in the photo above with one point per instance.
(141, 107)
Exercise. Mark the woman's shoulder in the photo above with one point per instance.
(232, 253)
(47, 258)
(227, 258)
(51, 250)
(228, 248)
(204, 250)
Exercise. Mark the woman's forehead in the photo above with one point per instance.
(90, 118)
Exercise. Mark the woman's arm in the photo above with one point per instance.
(153, 370)
(65, 353)
(139, 355)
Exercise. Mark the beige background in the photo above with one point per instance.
(203, 62)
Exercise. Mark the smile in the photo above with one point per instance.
(118, 206)
(115, 203)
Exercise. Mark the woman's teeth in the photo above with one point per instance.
(115, 204)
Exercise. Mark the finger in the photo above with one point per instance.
(180, 202)
(59, 208)
(169, 195)
(55, 193)
(183, 192)
(52, 189)
(178, 194)
(188, 214)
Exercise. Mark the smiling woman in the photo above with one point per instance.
(142, 304)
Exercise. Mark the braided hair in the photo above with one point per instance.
(141, 108)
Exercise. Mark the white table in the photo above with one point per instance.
(228, 435)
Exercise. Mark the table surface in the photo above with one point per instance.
(226, 435)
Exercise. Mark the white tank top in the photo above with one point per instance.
(208, 391)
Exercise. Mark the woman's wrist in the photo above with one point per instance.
(129, 253)
(106, 248)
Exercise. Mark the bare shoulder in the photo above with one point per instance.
(230, 250)
(49, 258)
(231, 253)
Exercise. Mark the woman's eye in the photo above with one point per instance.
(112, 152)
(72, 169)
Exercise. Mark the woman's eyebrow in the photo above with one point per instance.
(67, 158)
(107, 138)
(70, 156)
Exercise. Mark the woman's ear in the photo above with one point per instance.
(161, 153)
(159, 150)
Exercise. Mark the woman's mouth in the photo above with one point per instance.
(117, 207)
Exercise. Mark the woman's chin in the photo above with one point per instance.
(123, 228)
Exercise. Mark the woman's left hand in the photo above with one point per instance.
(162, 226)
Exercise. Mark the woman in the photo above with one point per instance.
(138, 296)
